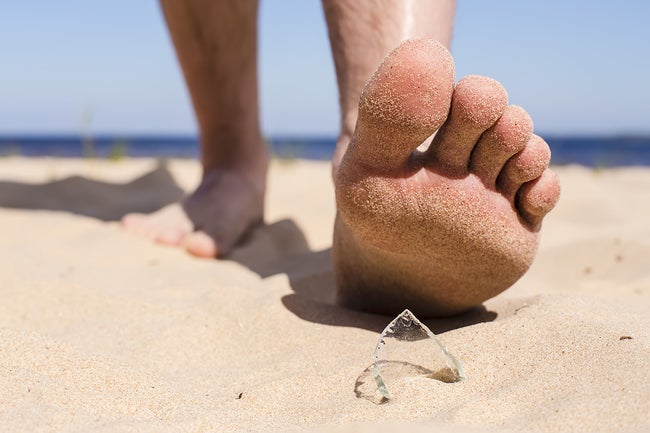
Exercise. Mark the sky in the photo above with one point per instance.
(580, 67)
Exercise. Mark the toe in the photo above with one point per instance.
(131, 222)
(536, 198)
(140, 225)
(504, 139)
(201, 244)
(405, 102)
(525, 166)
(170, 236)
(477, 103)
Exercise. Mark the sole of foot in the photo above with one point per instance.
(437, 229)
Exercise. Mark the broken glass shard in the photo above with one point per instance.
(406, 349)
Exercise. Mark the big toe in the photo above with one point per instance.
(201, 244)
(166, 226)
(405, 101)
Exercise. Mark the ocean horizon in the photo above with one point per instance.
(596, 151)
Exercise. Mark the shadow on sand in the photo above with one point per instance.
(270, 249)
(102, 200)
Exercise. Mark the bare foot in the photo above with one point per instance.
(442, 230)
(210, 221)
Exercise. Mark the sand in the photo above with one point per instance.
(102, 331)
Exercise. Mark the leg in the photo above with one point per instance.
(216, 44)
(440, 230)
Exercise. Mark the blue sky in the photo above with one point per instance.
(579, 67)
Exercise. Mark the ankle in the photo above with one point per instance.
(245, 154)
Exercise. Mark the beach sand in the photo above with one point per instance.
(101, 331)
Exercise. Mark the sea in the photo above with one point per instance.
(616, 151)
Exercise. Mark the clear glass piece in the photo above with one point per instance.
(407, 348)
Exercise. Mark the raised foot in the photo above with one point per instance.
(211, 220)
(442, 230)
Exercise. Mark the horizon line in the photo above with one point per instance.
(275, 136)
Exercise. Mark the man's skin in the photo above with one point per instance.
(437, 231)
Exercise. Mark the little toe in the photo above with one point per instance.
(201, 244)
(505, 138)
(476, 104)
(527, 165)
(538, 197)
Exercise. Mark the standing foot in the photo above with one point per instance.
(211, 220)
(439, 230)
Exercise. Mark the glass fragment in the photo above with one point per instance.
(407, 348)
